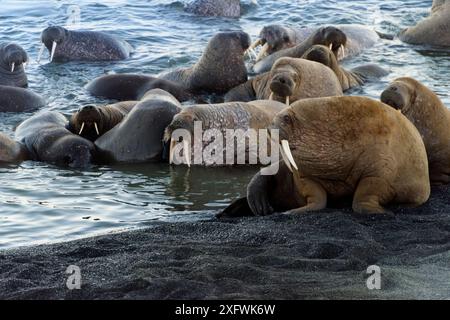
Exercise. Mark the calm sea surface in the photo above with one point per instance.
(40, 203)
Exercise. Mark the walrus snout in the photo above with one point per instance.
(282, 85)
(333, 38)
(393, 97)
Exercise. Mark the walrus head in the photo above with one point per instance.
(11, 151)
(284, 80)
(274, 38)
(333, 38)
(87, 122)
(12, 62)
(321, 54)
(71, 151)
(400, 95)
(51, 37)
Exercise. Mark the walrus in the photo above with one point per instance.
(348, 78)
(125, 87)
(236, 116)
(433, 30)
(11, 151)
(138, 137)
(12, 60)
(215, 8)
(220, 68)
(289, 80)
(14, 99)
(341, 147)
(70, 45)
(91, 122)
(426, 111)
(46, 139)
(345, 41)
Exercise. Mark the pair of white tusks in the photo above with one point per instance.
(263, 51)
(13, 66)
(341, 50)
(186, 152)
(286, 154)
(287, 99)
(52, 53)
(95, 125)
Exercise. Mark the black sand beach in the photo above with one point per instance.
(321, 255)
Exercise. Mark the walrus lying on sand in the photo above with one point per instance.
(289, 80)
(433, 30)
(426, 111)
(46, 139)
(220, 68)
(342, 147)
(220, 117)
(91, 122)
(348, 78)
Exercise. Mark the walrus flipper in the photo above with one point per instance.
(257, 195)
(238, 208)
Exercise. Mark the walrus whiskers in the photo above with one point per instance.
(287, 150)
(12, 66)
(81, 130)
(96, 128)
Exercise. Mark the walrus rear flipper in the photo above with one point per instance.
(239, 208)
(385, 36)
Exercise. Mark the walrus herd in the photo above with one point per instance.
(333, 147)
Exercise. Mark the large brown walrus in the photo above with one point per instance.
(430, 116)
(220, 68)
(348, 78)
(433, 30)
(237, 116)
(342, 147)
(289, 80)
(91, 121)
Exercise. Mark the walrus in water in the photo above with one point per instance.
(426, 111)
(289, 80)
(138, 137)
(125, 87)
(91, 122)
(279, 41)
(215, 8)
(69, 45)
(12, 61)
(348, 78)
(218, 118)
(433, 30)
(46, 139)
(13, 99)
(343, 147)
(11, 151)
(220, 68)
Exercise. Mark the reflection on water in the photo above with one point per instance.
(40, 203)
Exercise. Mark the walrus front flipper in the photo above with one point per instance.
(385, 36)
(238, 208)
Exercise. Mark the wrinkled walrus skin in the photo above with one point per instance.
(430, 116)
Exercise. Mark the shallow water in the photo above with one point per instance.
(41, 203)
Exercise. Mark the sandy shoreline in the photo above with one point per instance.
(315, 256)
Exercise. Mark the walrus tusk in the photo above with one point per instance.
(53, 51)
(341, 51)
(96, 128)
(12, 66)
(255, 44)
(250, 53)
(287, 101)
(285, 159)
(187, 153)
(81, 130)
(262, 53)
(287, 151)
(172, 150)
(331, 47)
(24, 65)
(41, 52)
(271, 96)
